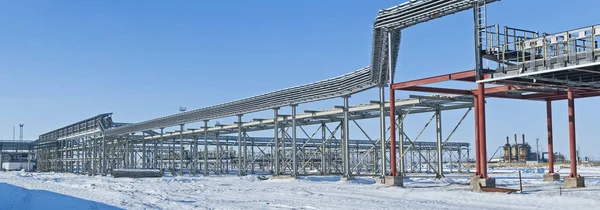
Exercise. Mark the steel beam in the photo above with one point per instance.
(436, 79)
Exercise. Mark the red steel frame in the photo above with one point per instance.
(393, 133)
(550, 144)
(500, 91)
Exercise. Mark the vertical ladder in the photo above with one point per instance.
(482, 24)
(480, 32)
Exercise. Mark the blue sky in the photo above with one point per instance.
(63, 61)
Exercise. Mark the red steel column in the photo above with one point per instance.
(550, 146)
(481, 123)
(393, 132)
(573, 150)
(477, 170)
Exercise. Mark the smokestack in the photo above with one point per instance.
(516, 148)
(507, 141)
(21, 131)
(523, 139)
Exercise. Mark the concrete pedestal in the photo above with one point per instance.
(551, 177)
(477, 183)
(347, 178)
(574, 182)
(392, 181)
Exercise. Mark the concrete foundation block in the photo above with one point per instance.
(347, 178)
(574, 182)
(282, 177)
(392, 181)
(477, 183)
(136, 173)
(551, 177)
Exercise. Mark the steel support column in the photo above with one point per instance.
(205, 148)
(239, 162)
(572, 140)
(401, 143)
(181, 149)
(392, 134)
(482, 131)
(550, 143)
(382, 128)
(323, 152)
(294, 146)
(438, 126)
(346, 140)
(162, 150)
(276, 139)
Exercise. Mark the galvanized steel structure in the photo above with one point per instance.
(96, 145)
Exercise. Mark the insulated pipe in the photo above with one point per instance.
(477, 155)
(482, 133)
(550, 144)
(572, 141)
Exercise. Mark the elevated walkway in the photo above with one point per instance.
(565, 59)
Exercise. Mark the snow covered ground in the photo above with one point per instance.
(23, 190)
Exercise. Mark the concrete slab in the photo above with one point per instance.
(392, 181)
(551, 177)
(574, 182)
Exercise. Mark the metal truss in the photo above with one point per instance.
(207, 149)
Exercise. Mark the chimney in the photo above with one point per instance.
(21, 132)
(523, 139)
